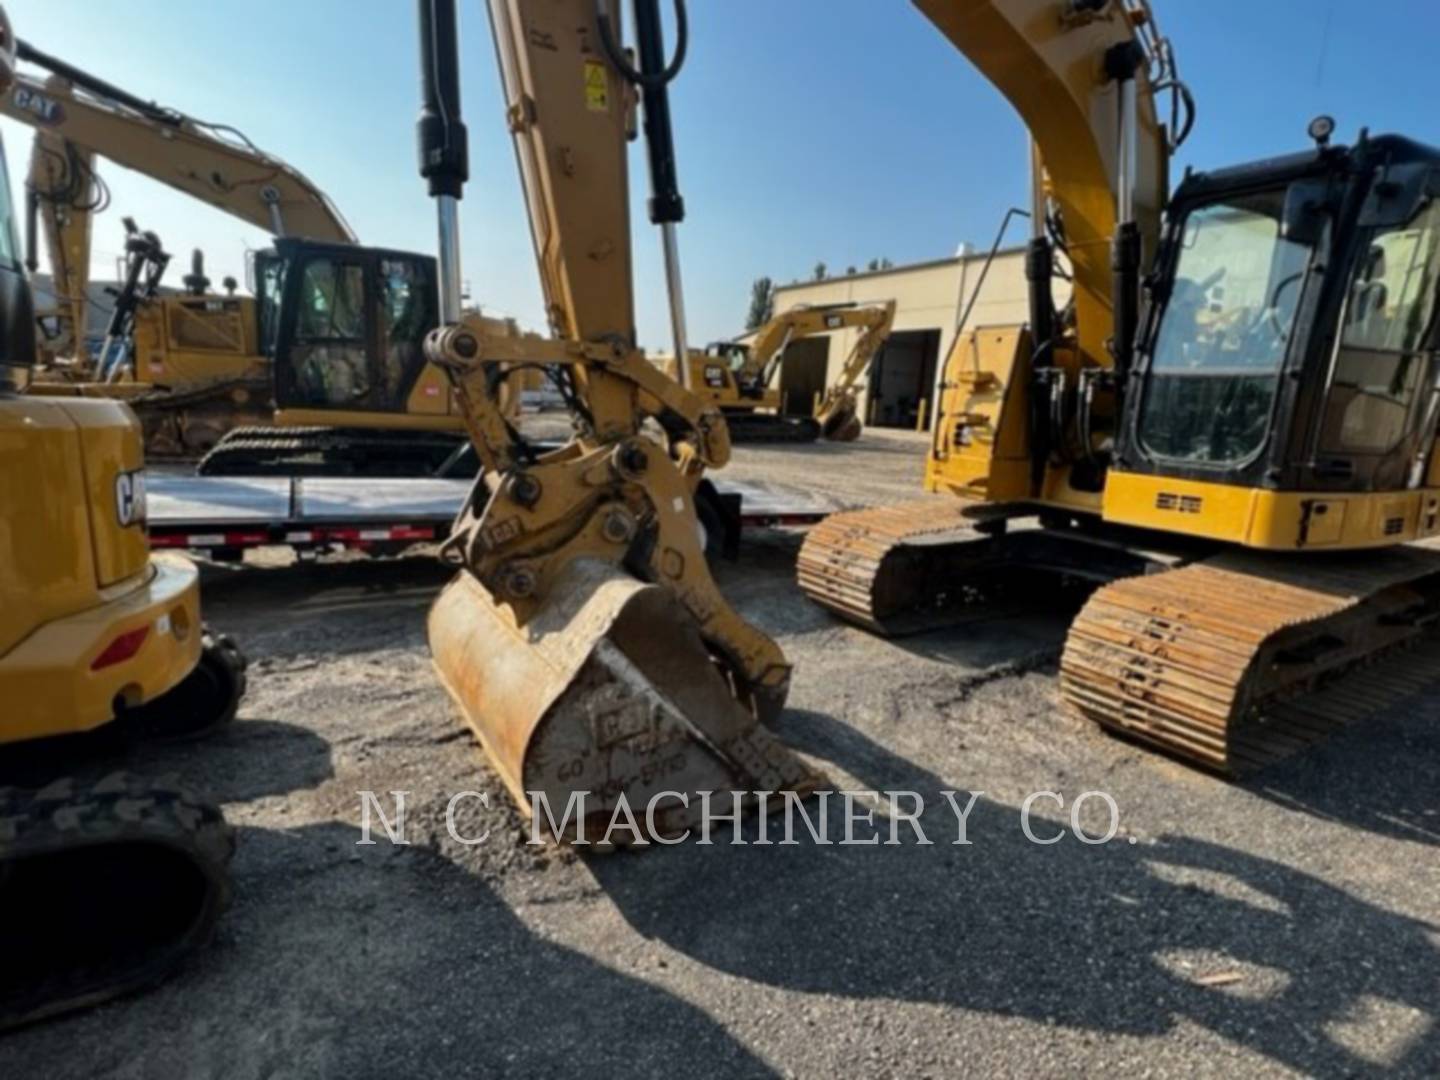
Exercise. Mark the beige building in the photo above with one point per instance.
(930, 298)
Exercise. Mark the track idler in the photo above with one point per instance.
(609, 690)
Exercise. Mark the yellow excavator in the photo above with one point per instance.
(582, 637)
(1238, 444)
(350, 393)
(78, 117)
(108, 881)
(739, 378)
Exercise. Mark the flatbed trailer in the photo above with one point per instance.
(223, 516)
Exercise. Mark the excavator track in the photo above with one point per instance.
(873, 567)
(757, 427)
(322, 451)
(943, 562)
(1230, 661)
(1240, 660)
(107, 887)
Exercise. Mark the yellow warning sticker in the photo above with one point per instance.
(597, 86)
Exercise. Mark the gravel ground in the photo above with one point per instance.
(1286, 926)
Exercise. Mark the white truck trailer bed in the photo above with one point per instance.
(229, 514)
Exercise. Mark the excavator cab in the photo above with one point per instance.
(346, 326)
(1285, 389)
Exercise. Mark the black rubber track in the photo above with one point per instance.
(106, 887)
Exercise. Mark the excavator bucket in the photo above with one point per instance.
(609, 691)
(841, 422)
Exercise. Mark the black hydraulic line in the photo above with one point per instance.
(1125, 258)
(97, 85)
(32, 214)
(1122, 62)
(440, 131)
(654, 76)
(1039, 277)
(660, 71)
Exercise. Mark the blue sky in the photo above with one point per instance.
(807, 130)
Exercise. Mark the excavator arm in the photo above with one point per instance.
(64, 193)
(209, 162)
(837, 411)
(584, 639)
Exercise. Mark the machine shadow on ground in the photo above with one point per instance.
(1379, 776)
(1119, 939)
(248, 759)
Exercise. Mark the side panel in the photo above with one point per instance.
(1271, 520)
(111, 457)
(980, 444)
(46, 569)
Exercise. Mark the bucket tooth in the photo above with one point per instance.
(608, 690)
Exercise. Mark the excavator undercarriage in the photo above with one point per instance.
(1231, 660)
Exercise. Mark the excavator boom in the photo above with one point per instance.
(212, 163)
(79, 117)
(1064, 66)
(740, 379)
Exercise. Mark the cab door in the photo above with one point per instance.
(351, 331)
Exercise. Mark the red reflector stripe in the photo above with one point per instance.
(121, 649)
(339, 535)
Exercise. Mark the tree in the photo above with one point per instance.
(850, 271)
(878, 264)
(762, 303)
(821, 271)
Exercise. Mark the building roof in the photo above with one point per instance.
(907, 268)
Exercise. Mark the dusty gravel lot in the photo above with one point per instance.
(1289, 925)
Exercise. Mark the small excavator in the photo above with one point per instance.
(1238, 445)
(108, 880)
(582, 637)
(739, 378)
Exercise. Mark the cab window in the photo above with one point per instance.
(406, 316)
(1379, 368)
(1225, 332)
(329, 355)
(9, 253)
